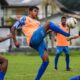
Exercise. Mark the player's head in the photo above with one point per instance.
(33, 11)
(63, 20)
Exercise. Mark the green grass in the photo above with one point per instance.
(24, 67)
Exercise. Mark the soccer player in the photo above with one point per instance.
(35, 34)
(62, 44)
(3, 61)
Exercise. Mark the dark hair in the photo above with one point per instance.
(33, 7)
(63, 17)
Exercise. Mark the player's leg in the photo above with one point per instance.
(66, 51)
(3, 67)
(43, 66)
(55, 28)
(58, 52)
(41, 48)
(38, 44)
(75, 78)
(45, 60)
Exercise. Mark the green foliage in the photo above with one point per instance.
(9, 21)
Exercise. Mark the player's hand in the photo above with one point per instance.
(79, 33)
(17, 44)
(68, 38)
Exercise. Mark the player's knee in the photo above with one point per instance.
(45, 58)
(46, 61)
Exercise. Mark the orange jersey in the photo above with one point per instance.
(61, 39)
(28, 26)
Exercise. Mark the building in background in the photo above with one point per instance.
(12, 10)
(3, 5)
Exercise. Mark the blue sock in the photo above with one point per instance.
(56, 29)
(56, 60)
(42, 70)
(2, 74)
(67, 60)
(75, 78)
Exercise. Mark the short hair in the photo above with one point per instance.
(63, 17)
(33, 7)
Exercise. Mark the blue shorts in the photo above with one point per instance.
(2, 74)
(60, 49)
(37, 41)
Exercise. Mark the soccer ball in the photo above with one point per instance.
(71, 22)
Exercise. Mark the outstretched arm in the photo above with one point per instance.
(3, 39)
(73, 37)
(13, 31)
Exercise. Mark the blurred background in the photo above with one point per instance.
(52, 10)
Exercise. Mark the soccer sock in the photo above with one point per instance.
(75, 78)
(56, 29)
(67, 60)
(2, 74)
(42, 70)
(56, 59)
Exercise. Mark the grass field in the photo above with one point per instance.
(24, 67)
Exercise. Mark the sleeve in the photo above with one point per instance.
(18, 24)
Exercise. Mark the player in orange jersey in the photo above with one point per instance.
(62, 44)
(35, 34)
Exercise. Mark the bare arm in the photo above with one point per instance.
(55, 37)
(17, 25)
(13, 31)
(49, 31)
(73, 37)
(3, 39)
